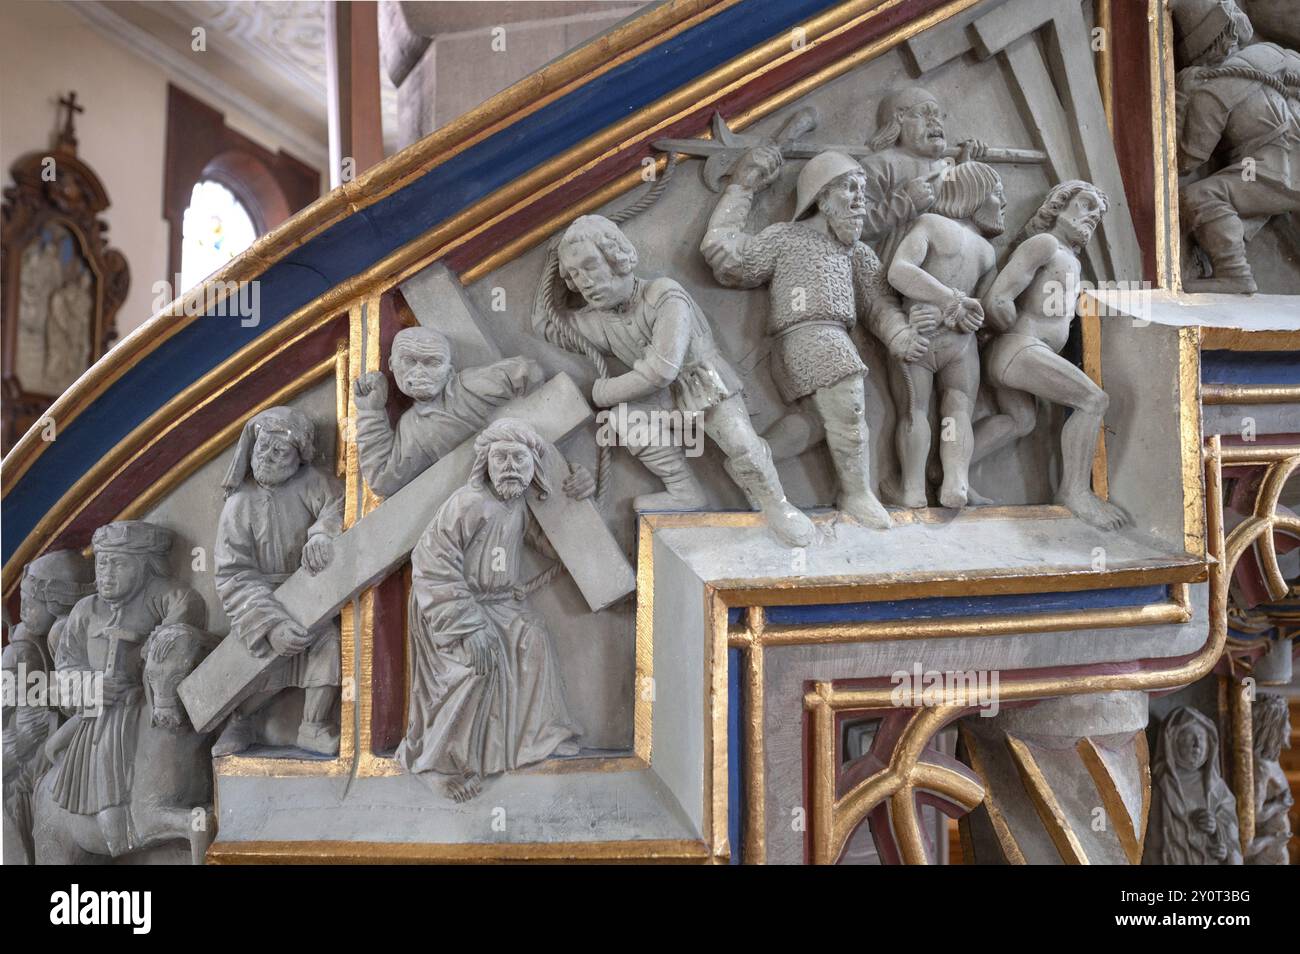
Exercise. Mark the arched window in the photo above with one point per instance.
(216, 227)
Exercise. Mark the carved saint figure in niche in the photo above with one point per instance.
(1193, 813)
(1241, 99)
(485, 694)
(1030, 306)
(67, 334)
(911, 157)
(821, 279)
(281, 512)
(942, 266)
(55, 313)
(657, 330)
(449, 406)
(100, 754)
(51, 585)
(1271, 732)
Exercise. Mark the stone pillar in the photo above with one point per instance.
(1068, 779)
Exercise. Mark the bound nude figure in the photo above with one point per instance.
(1031, 304)
(942, 266)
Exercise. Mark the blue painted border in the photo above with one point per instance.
(1250, 367)
(939, 607)
(359, 241)
(735, 769)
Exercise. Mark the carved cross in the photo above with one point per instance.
(70, 106)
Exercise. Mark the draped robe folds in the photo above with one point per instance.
(464, 571)
(260, 537)
(390, 459)
(1172, 835)
(96, 771)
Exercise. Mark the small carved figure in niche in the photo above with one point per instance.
(51, 585)
(1193, 813)
(1271, 732)
(1241, 99)
(281, 513)
(67, 336)
(657, 330)
(821, 278)
(485, 693)
(903, 177)
(1030, 307)
(106, 782)
(943, 265)
(449, 406)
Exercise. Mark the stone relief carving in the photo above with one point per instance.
(281, 512)
(51, 586)
(127, 772)
(1238, 113)
(486, 696)
(1271, 732)
(449, 406)
(1030, 306)
(657, 330)
(821, 278)
(1193, 814)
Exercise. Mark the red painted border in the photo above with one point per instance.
(1134, 139)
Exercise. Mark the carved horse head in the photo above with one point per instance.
(173, 653)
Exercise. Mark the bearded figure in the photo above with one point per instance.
(485, 695)
(1193, 814)
(281, 513)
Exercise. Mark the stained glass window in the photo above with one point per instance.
(216, 228)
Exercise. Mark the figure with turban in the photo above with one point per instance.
(942, 266)
(51, 586)
(106, 637)
(449, 406)
(281, 513)
(486, 694)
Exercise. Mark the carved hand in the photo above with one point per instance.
(371, 390)
(758, 168)
(317, 552)
(970, 316)
(579, 484)
(481, 657)
(1204, 821)
(908, 345)
(972, 149)
(921, 191)
(287, 638)
(600, 393)
(924, 318)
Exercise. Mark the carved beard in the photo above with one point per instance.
(1078, 236)
(270, 474)
(846, 228)
(989, 223)
(509, 485)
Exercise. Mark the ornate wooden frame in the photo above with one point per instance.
(74, 198)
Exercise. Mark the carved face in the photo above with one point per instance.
(1080, 218)
(1191, 747)
(510, 468)
(275, 459)
(844, 204)
(991, 216)
(34, 611)
(422, 374)
(119, 576)
(593, 276)
(921, 129)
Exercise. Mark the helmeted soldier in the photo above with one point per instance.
(1243, 100)
(821, 278)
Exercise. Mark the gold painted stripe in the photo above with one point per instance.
(1001, 830)
(1250, 393)
(1126, 830)
(1239, 339)
(363, 852)
(1045, 804)
(1191, 440)
(755, 833)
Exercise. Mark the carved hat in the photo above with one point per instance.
(1199, 23)
(287, 422)
(887, 127)
(819, 172)
(132, 536)
(59, 577)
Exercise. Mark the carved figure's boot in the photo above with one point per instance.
(681, 490)
(319, 737)
(240, 733)
(755, 474)
(1224, 240)
(843, 410)
(115, 825)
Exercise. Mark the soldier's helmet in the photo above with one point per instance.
(819, 172)
(1198, 24)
